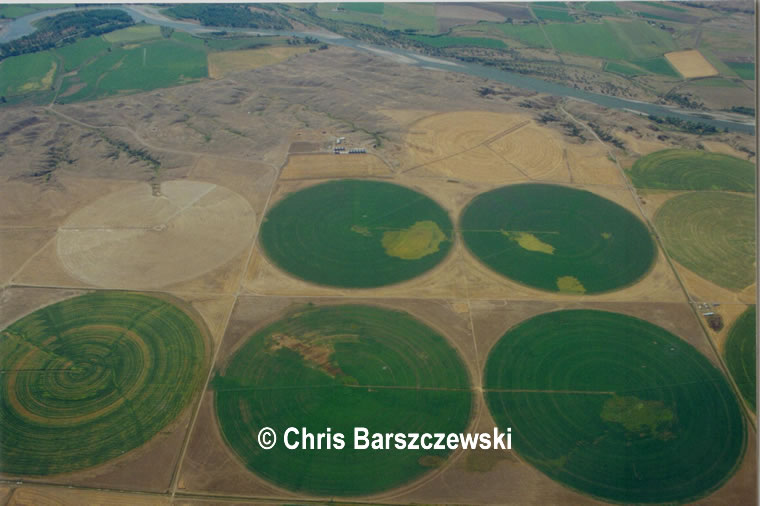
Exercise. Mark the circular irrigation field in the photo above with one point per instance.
(90, 378)
(684, 169)
(712, 234)
(356, 234)
(342, 367)
(741, 352)
(557, 238)
(615, 407)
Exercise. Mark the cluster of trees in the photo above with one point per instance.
(692, 127)
(238, 16)
(66, 28)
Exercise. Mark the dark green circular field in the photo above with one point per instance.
(741, 353)
(342, 367)
(712, 234)
(557, 238)
(684, 169)
(356, 234)
(615, 407)
(90, 378)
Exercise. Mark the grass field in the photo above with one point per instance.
(27, 73)
(92, 377)
(712, 234)
(557, 238)
(78, 53)
(741, 353)
(356, 234)
(628, 412)
(683, 169)
(137, 33)
(341, 367)
(657, 66)
(530, 35)
(621, 68)
(145, 67)
(589, 39)
(443, 41)
(743, 70)
(603, 8)
(552, 15)
(407, 16)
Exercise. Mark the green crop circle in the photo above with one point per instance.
(615, 407)
(356, 234)
(342, 367)
(685, 169)
(90, 378)
(557, 238)
(741, 352)
(712, 234)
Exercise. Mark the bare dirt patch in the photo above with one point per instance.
(224, 63)
(691, 63)
(330, 165)
(136, 238)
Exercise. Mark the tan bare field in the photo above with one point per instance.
(691, 63)
(638, 145)
(329, 165)
(224, 63)
(723, 148)
(49, 496)
(173, 234)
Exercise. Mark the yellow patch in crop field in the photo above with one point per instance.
(691, 63)
(417, 241)
(44, 83)
(570, 284)
(606, 235)
(530, 242)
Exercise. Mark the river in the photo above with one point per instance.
(23, 26)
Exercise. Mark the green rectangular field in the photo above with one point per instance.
(27, 73)
(588, 39)
(641, 40)
(74, 55)
(743, 70)
(552, 15)
(603, 8)
(657, 66)
(715, 82)
(136, 33)
(530, 34)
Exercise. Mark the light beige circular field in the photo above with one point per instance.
(146, 237)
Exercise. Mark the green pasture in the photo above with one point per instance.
(393, 16)
(743, 70)
(365, 7)
(356, 234)
(607, 8)
(27, 73)
(90, 378)
(623, 69)
(615, 407)
(657, 66)
(741, 353)
(557, 238)
(136, 33)
(712, 234)
(78, 53)
(530, 35)
(341, 367)
(552, 15)
(683, 169)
